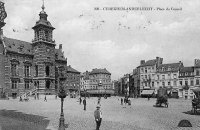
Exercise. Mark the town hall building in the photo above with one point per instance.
(32, 67)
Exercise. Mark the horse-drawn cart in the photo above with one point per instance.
(162, 97)
(196, 100)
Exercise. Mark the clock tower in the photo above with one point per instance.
(44, 55)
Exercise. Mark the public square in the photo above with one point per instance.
(141, 115)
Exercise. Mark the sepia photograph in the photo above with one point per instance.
(99, 65)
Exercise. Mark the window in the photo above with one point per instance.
(181, 83)
(14, 84)
(27, 86)
(186, 83)
(174, 76)
(169, 83)
(197, 72)
(191, 82)
(158, 77)
(157, 83)
(163, 83)
(14, 69)
(145, 84)
(27, 71)
(36, 70)
(47, 71)
(152, 84)
(145, 70)
(174, 83)
(163, 76)
(197, 81)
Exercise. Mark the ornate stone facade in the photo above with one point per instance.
(32, 67)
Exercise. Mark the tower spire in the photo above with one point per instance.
(43, 5)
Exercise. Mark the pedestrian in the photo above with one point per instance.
(45, 98)
(121, 101)
(80, 100)
(98, 117)
(148, 97)
(125, 101)
(84, 103)
(56, 97)
(20, 99)
(99, 99)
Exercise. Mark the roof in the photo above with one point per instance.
(100, 71)
(169, 67)
(70, 69)
(187, 69)
(18, 46)
(59, 55)
(149, 63)
(43, 22)
(86, 75)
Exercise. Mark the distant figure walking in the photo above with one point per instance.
(84, 103)
(80, 100)
(45, 98)
(148, 97)
(98, 102)
(98, 117)
(20, 99)
(121, 101)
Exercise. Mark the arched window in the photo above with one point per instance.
(47, 84)
(47, 70)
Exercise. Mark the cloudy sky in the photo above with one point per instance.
(116, 40)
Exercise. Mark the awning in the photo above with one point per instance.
(147, 92)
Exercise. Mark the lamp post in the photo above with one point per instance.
(62, 95)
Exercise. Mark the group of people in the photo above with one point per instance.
(125, 101)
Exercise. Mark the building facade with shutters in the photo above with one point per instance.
(147, 71)
(97, 83)
(186, 82)
(167, 75)
(37, 66)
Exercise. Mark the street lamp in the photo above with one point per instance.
(62, 95)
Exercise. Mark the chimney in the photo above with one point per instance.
(159, 61)
(60, 46)
(142, 62)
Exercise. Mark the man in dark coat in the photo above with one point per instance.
(98, 117)
(84, 103)
(121, 101)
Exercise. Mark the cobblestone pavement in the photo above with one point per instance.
(141, 115)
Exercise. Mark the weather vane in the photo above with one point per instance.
(43, 5)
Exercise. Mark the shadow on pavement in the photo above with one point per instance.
(192, 113)
(22, 121)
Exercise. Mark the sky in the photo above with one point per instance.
(116, 40)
